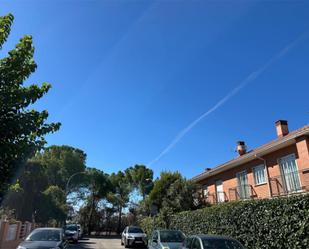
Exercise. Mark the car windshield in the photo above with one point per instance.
(71, 228)
(221, 244)
(135, 230)
(171, 236)
(44, 235)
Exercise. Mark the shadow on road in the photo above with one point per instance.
(83, 244)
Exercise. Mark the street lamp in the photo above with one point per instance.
(68, 182)
(67, 185)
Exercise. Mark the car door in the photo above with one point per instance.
(64, 241)
(154, 243)
(187, 243)
(196, 244)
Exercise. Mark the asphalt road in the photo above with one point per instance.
(98, 243)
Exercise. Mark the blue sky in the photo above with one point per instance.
(128, 76)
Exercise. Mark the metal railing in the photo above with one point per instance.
(241, 192)
(215, 198)
(289, 183)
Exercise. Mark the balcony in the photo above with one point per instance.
(242, 192)
(289, 183)
(214, 198)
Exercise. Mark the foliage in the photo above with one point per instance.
(173, 191)
(60, 162)
(141, 178)
(99, 185)
(258, 224)
(25, 196)
(39, 192)
(22, 129)
(119, 196)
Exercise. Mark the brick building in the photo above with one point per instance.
(280, 167)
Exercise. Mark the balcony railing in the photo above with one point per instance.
(290, 183)
(285, 184)
(214, 198)
(241, 192)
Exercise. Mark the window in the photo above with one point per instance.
(221, 244)
(135, 230)
(155, 236)
(205, 191)
(288, 168)
(259, 174)
(196, 244)
(171, 236)
(244, 189)
(188, 241)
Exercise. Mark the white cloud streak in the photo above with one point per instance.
(250, 78)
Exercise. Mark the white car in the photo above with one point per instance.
(133, 235)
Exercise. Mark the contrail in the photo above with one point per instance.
(251, 77)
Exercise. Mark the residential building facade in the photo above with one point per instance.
(278, 168)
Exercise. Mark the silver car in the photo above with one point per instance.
(166, 239)
(211, 242)
(133, 236)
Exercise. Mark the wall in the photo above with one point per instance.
(12, 233)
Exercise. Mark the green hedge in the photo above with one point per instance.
(274, 223)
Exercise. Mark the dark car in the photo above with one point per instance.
(166, 239)
(211, 242)
(45, 238)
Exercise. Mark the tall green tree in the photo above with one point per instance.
(98, 186)
(119, 196)
(60, 163)
(141, 178)
(22, 129)
(40, 188)
(173, 192)
(25, 195)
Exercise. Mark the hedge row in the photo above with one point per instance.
(274, 223)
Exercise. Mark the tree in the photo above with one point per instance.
(22, 129)
(141, 178)
(25, 195)
(61, 162)
(99, 186)
(120, 194)
(173, 192)
(40, 187)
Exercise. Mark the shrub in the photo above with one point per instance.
(258, 224)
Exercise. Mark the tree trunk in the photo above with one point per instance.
(90, 215)
(119, 220)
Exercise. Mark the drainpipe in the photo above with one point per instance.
(262, 159)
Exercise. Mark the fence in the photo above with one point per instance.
(12, 233)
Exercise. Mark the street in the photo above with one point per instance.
(98, 243)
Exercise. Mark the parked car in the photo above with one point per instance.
(166, 239)
(80, 231)
(71, 232)
(45, 238)
(211, 242)
(132, 236)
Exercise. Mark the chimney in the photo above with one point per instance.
(241, 148)
(282, 128)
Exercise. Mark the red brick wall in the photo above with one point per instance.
(301, 152)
